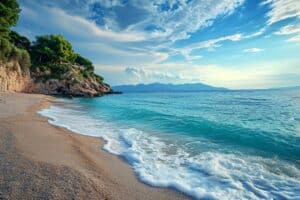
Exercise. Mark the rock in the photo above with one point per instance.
(66, 88)
(13, 78)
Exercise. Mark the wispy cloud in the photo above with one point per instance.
(253, 50)
(75, 24)
(163, 20)
(182, 17)
(142, 75)
(282, 9)
(294, 39)
(255, 34)
(207, 44)
(288, 29)
(216, 43)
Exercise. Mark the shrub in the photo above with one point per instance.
(8, 52)
(86, 74)
(15, 53)
(59, 69)
(19, 41)
(52, 49)
(84, 62)
(24, 60)
(98, 78)
(5, 49)
(9, 15)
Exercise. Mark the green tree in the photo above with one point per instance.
(24, 59)
(9, 15)
(5, 49)
(84, 62)
(19, 41)
(52, 49)
(99, 78)
(9, 52)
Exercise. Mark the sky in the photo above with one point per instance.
(238, 44)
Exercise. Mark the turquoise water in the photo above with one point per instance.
(210, 145)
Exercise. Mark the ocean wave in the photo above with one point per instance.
(205, 175)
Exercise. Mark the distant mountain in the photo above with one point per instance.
(160, 87)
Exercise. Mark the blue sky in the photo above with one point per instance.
(230, 43)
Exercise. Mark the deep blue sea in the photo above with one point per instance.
(210, 145)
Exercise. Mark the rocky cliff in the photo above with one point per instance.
(71, 87)
(87, 88)
(13, 78)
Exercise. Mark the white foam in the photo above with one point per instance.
(211, 175)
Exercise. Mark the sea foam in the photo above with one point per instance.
(204, 175)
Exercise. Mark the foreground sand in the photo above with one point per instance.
(40, 161)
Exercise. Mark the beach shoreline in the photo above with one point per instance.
(40, 160)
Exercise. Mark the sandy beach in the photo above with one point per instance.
(41, 161)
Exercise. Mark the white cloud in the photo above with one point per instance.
(94, 30)
(253, 50)
(71, 24)
(114, 54)
(142, 75)
(207, 44)
(282, 9)
(215, 43)
(294, 39)
(94, 42)
(255, 34)
(178, 23)
(110, 3)
(288, 29)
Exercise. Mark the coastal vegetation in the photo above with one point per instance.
(9, 51)
(49, 57)
(53, 56)
(9, 15)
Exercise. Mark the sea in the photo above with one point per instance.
(229, 144)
